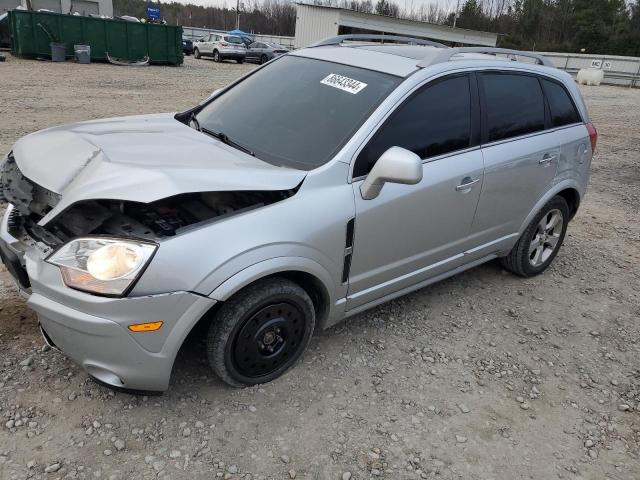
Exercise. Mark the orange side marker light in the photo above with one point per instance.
(146, 327)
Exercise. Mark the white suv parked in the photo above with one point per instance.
(220, 46)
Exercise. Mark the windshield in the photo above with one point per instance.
(297, 112)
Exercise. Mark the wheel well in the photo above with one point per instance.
(572, 198)
(311, 284)
(314, 288)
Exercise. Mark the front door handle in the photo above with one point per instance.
(547, 159)
(468, 184)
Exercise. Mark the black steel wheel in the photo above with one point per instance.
(260, 332)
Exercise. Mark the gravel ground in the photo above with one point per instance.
(482, 376)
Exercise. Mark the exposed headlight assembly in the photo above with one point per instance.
(103, 266)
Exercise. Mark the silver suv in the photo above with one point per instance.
(220, 46)
(370, 170)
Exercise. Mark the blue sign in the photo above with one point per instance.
(153, 13)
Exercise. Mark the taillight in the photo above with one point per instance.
(593, 136)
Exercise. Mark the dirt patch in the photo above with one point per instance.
(482, 376)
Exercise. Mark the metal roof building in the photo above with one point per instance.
(316, 22)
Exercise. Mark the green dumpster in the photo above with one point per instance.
(32, 32)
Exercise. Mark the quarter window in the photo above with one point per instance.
(563, 111)
(435, 121)
(514, 105)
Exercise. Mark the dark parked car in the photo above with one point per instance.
(262, 52)
(187, 46)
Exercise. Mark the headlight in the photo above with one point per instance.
(102, 265)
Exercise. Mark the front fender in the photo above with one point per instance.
(277, 265)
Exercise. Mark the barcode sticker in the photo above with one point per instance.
(343, 83)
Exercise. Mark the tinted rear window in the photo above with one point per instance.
(233, 39)
(435, 121)
(563, 111)
(514, 105)
(297, 111)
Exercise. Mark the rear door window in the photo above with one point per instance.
(435, 121)
(563, 110)
(513, 105)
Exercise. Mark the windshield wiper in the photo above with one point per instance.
(195, 122)
(225, 139)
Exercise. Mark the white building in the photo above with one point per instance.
(83, 7)
(316, 22)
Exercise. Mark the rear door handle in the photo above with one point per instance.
(469, 183)
(547, 158)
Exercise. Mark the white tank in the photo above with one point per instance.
(590, 76)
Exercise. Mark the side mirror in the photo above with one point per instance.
(396, 165)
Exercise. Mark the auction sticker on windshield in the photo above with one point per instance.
(343, 83)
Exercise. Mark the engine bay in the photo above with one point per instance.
(164, 218)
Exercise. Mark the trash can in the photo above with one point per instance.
(58, 52)
(83, 53)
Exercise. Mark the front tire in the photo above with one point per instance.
(260, 332)
(263, 59)
(240, 60)
(196, 53)
(541, 240)
(216, 56)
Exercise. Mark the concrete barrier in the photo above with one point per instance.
(617, 70)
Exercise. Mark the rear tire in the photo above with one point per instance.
(260, 332)
(240, 60)
(196, 53)
(541, 240)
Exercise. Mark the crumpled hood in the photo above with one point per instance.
(142, 158)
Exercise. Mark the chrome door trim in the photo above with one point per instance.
(419, 272)
(419, 285)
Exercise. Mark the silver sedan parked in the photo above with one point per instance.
(368, 171)
(262, 52)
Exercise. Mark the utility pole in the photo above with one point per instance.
(237, 14)
(455, 17)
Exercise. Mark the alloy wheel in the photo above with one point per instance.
(546, 237)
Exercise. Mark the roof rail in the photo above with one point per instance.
(338, 39)
(445, 55)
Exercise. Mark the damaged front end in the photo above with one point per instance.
(150, 222)
(147, 221)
